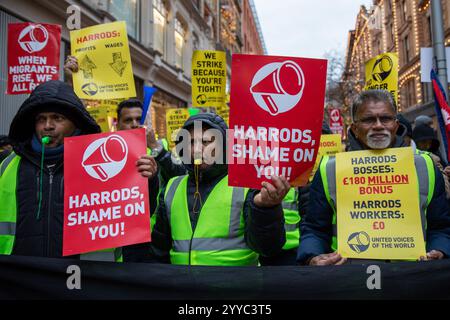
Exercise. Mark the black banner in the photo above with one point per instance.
(43, 278)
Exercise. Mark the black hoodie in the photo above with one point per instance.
(43, 237)
(264, 231)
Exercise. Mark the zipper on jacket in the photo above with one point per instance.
(49, 210)
(190, 248)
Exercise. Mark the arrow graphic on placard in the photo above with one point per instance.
(118, 64)
(86, 66)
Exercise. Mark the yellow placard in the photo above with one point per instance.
(100, 115)
(224, 112)
(330, 144)
(175, 118)
(209, 71)
(378, 215)
(382, 73)
(104, 62)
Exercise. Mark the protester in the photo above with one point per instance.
(5, 147)
(32, 177)
(423, 119)
(203, 221)
(374, 127)
(295, 204)
(129, 113)
(425, 139)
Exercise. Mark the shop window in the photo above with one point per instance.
(128, 11)
(180, 35)
(159, 25)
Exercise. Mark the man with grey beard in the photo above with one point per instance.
(374, 126)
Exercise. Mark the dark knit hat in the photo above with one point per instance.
(424, 132)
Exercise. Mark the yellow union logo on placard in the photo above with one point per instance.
(378, 211)
(104, 62)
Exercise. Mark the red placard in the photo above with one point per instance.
(276, 113)
(336, 121)
(33, 55)
(106, 203)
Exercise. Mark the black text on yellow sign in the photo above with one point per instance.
(175, 118)
(208, 78)
(378, 212)
(104, 61)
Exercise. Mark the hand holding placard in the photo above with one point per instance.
(272, 194)
(328, 259)
(147, 166)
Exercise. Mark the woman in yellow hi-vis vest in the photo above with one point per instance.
(202, 221)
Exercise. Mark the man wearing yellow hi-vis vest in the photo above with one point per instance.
(294, 204)
(203, 221)
(374, 127)
(32, 177)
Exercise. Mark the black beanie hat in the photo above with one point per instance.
(424, 132)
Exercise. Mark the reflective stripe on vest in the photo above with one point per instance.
(425, 176)
(6, 162)
(8, 228)
(292, 219)
(8, 203)
(9, 170)
(164, 143)
(218, 239)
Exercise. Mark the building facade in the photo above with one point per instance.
(162, 36)
(404, 27)
(253, 40)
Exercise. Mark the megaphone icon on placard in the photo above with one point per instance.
(279, 86)
(105, 158)
(33, 38)
(382, 68)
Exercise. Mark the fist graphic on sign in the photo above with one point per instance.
(105, 158)
(278, 87)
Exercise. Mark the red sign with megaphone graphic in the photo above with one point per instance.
(276, 113)
(33, 55)
(105, 157)
(106, 200)
(280, 89)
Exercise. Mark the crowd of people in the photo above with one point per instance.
(196, 217)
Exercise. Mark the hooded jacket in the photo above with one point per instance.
(43, 237)
(316, 224)
(264, 227)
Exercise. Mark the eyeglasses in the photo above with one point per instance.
(370, 121)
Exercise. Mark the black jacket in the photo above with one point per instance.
(43, 237)
(264, 227)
